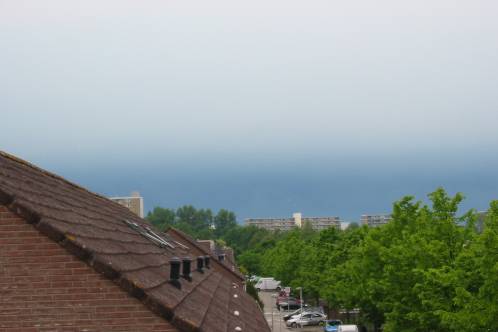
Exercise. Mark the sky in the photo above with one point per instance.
(264, 108)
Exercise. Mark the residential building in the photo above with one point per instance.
(272, 224)
(222, 257)
(134, 202)
(319, 223)
(382, 219)
(481, 216)
(375, 220)
(72, 260)
(297, 220)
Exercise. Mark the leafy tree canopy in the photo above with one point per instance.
(429, 269)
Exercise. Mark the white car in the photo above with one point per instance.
(267, 284)
(347, 328)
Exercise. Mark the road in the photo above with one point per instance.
(274, 317)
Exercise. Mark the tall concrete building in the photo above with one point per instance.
(134, 202)
(481, 216)
(375, 220)
(272, 224)
(297, 220)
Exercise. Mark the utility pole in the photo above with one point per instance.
(272, 318)
(301, 298)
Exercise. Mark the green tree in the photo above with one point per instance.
(399, 274)
(427, 270)
(284, 260)
(353, 225)
(162, 218)
(475, 281)
(251, 261)
(224, 221)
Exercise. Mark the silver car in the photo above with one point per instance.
(306, 319)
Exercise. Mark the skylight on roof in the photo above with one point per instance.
(160, 240)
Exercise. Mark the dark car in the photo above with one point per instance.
(289, 303)
(282, 296)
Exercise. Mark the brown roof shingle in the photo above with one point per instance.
(95, 229)
(228, 266)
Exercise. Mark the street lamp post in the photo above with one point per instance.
(301, 299)
(272, 318)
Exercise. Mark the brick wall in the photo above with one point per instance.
(45, 288)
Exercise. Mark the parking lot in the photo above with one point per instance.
(274, 317)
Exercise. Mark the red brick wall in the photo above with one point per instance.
(45, 288)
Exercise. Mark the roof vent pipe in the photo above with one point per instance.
(186, 271)
(200, 264)
(206, 262)
(174, 272)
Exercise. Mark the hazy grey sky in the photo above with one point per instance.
(255, 90)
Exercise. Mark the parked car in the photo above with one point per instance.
(331, 325)
(305, 309)
(254, 278)
(291, 314)
(347, 328)
(281, 296)
(306, 319)
(289, 303)
(268, 284)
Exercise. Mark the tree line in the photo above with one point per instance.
(428, 269)
(198, 223)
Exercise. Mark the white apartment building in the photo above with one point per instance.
(375, 220)
(134, 202)
(297, 220)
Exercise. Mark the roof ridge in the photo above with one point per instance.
(53, 175)
(68, 202)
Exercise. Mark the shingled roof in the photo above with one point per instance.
(97, 230)
(181, 236)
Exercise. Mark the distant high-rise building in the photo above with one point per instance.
(134, 202)
(375, 220)
(297, 220)
(481, 216)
